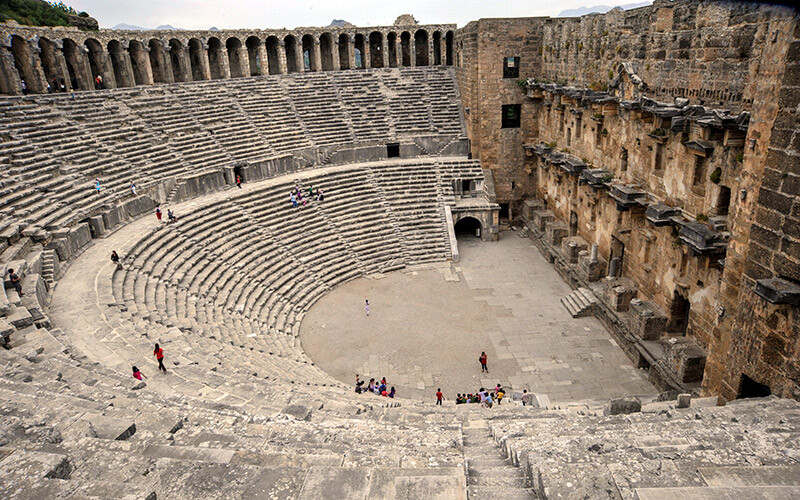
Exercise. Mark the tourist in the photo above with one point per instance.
(439, 396)
(133, 188)
(15, 282)
(54, 86)
(158, 352)
(526, 398)
(239, 181)
(293, 199)
(115, 259)
(499, 393)
(371, 386)
(171, 216)
(158, 213)
(366, 306)
(137, 374)
(458, 398)
(24, 87)
(320, 195)
(391, 392)
(97, 185)
(310, 192)
(483, 359)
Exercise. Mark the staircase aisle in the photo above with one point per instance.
(489, 475)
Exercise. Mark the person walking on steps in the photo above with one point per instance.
(239, 181)
(115, 259)
(158, 352)
(15, 282)
(482, 359)
(137, 374)
(158, 213)
(97, 185)
(133, 188)
(366, 306)
(439, 396)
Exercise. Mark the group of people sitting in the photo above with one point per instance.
(297, 199)
(484, 397)
(375, 387)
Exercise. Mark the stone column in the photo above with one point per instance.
(430, 49)
(61, 62)
(412, 48)
(185, 64)
(205, 65)
(166, 64)
(263, 67)
(365, 56)
(9, 78)
(316, 53)
(284, 69)
(109, 81)
(298, 55)
(351, 54)
(443, 49)
(336, 63)
(40, 83)
(83, 70)
(148, 67)
(244, 61)
(224, 66)
(385, 50)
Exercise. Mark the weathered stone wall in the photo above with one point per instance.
(480, 48)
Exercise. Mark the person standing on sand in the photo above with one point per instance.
(366, 306)
(483, 359)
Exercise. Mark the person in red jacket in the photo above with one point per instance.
(482, 359)
(158, 352)
(439, 396)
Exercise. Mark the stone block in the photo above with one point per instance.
(35, 289)
(620, 292)
(778, 291)
(61, 247)
(299, 412)
(647, 321)
(112, 217)
(684, 400)
(555, 232)
(530, 206)
(196, 185)
(138, 206)
(572, 247)
(19, 317)
(79, 236)
(96, 226)
(588, 269)
(686, 359)
(622, 406)
(541, 218)
(5, 331)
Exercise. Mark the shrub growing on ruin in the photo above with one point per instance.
(715, 175)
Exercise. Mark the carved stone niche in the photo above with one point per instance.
(647, 321)
(685, 358)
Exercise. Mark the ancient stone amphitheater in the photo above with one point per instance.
(408, 130)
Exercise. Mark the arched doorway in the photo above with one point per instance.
(97, 64)
(290, 43)
(326, 51)
(252, 43)
(140, 62)
(309, 61)
(391, 41)
(196, 59)
(376, 49)
(421, 47)
(119, 59)
(234, 46)
(344, 51)
(74, 65)
(215, 58)
(468, 227)
(175, 58)
(405, 48)
(273, 59)
(51, 70)
(448, 48)
(359, 51)
(158, 62)
(23, 60)
(437, 48)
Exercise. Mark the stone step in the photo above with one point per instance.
(719, 493)
(493, 493)
(751, 476)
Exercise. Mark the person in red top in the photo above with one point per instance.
(137, 374)
(158, 213)
(159, 354)
(482, 359)
(439, 396)
(239, 181)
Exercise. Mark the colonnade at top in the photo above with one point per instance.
(38, 60)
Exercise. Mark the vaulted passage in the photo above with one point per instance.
(198, 60)
(177, 59)
(326, 51)
(215, 56)
(468, 227)
(421, 47)
(253, 44)
(344, 51)
(376, 49)
(162, 73)
(405, 48)
(290, 45)
(235, 57)
(120, 63)
(23, 61)
(391, 41)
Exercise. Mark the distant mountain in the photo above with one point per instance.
(123, 26)
(340, 23)
(168, 27)
(213, 28)
(598, 9)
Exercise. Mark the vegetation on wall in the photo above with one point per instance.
(37, 12)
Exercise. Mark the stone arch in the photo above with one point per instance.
(176, 51)
(326, 51)
(24, 62)
(448, 48)
(196, 59)
(309, 61)
(391, 41)
(344, 51)
(273, 55)
(253, 44)
(376, 49)
(97, 63)
(52, 71)
(215, 56)
(140, 62)
(119, 64)
(421, 48)
(468, 226)
(73, 58)
(290, 46)
(234, 47)
(437, 48)
(405, 48)
(358, 49)
(158, 63)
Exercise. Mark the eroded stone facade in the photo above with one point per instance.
(665, 135)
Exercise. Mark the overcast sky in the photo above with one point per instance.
(202, 14)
